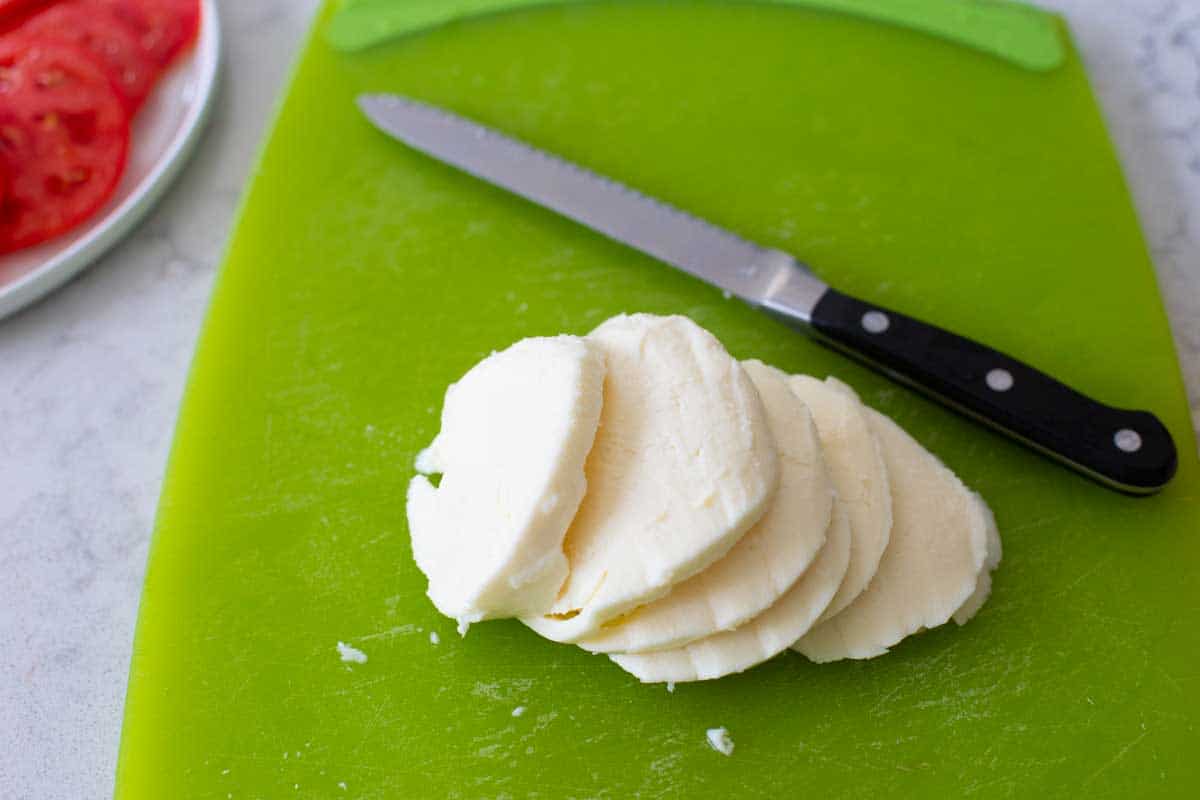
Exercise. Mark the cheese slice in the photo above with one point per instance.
(763, 637)
(983, 586)
(859, 474)
(932, 564)
(682, 466)
(765, 563)
(516, 432)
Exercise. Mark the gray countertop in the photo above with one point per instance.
(91, 377)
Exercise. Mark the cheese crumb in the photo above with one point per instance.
(342, 785)
(671, 687)
(349, 655)
(434, 638)
(518, 711)
(718, 739)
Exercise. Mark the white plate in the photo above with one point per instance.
(165, 132)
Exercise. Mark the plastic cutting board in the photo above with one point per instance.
(363, 278)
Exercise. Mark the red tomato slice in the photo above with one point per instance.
(63, 138)
(164, 28)
(11, 8)
(92, 26)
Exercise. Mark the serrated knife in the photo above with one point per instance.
(1131, 451)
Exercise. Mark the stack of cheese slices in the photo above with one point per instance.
(640, 493)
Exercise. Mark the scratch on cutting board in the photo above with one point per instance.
(376, 722)
(374, 540)
(1083, 576)
(504, 691)
(1169, 678)
(357, 688)
(1120, 755)
(1037, 523)
(389, 633)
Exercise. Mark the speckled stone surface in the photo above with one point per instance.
(91, 377)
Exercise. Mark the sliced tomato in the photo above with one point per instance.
(64, 135)
(14, 12)
(164, 28)
(92, 25)
(11, 8)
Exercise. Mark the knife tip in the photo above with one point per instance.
(382, 107)
(370, 103)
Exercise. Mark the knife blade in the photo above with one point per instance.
(1131, 451)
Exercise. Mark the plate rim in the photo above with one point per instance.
(69, 262)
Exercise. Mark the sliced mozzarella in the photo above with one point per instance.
(983, 587)
(765, 563)
(859, 475)
(763, 637)
(682, 466)
(932, 564)
(516, 431)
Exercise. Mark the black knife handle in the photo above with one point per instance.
(1128, 450)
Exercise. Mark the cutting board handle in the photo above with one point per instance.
(1018, 33)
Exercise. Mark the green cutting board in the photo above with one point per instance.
(364, 278)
